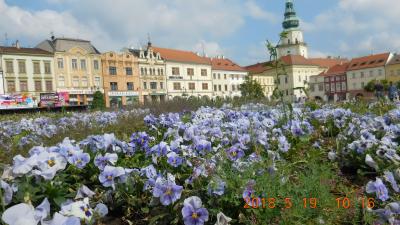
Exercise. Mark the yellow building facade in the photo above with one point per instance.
(77, 68)
(121, 79)
(393, 69)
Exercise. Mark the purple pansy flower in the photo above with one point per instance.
(234, 153)
(109, 174)
(101, 161)
(167, 191)
(379, 188)
(174, 159)
(79, 159)
(193, 213)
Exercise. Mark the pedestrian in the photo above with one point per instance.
(392, 91)
(378, 89)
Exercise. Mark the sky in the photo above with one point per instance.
(236, 29)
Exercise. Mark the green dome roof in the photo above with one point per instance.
(291, 19)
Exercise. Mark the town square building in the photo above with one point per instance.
(227, 77)
(26, 71)
(77, 66)
(188, 74)
(120, 79)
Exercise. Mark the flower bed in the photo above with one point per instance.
(250, 165)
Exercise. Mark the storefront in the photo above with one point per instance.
(80, 97)
(118, 99)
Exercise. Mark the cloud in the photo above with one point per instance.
(357, 27)
(256, 12)
(209, 48)
(111, 26)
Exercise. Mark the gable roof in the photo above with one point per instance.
(181, 56)
(339, 69)
(328, 62)
(370, 61)
(23, 51)
(257, 68)
(65, 44)
(394, 60)
(225, 64)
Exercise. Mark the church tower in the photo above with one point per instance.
(293, 43)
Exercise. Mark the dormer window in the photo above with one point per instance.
(158, 56)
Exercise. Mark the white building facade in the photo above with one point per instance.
(26, 71)
(227, 78)
(187, 74)
(363, 70)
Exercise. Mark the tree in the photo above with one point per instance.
(370, 87)
(98, 101)
(251, 89)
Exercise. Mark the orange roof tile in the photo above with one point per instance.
(225, 64)
(257, 68)
(328, 62)
(181, 56)
(338, 69)
(368, 61)
(15, 50)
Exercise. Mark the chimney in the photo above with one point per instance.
(17, 44)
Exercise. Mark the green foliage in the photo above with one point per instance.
(98, 101)
(251, 89)
(370, 87)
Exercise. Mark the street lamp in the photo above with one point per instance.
(3, 81)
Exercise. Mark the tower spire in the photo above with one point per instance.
(291, 19)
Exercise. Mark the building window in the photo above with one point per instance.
(83, 64)
(214, 76)
(233, 88)
(225, 76)
(312, 88)
(327, 87)
(129, 86)
(144, 85)
(128, 71)
(338, 87)
(112, 70)
(74, 63)
(219, 88)
(142, 71)
(145, 71)
(190, 71)
(332, 87)
(177, 86)
(49, 85)
(192, 86)
(354, 75)
(61, 81)
(36, 68)
(84, 81)
(75, 81)
(215, 87)
(362, 75)
(38, 85)
(153, 85)
(162, 71)
(380, 72)
(344, 86)
(161, 85)
(286, 80)
(96, 64)
(47, 68)
(21, 67)
(97, 81)
(226, 87)
(60, 63)
(175, 70)
(203, 72)
(23, 86)
(204, 86)
(354, 85)
(219, 76)
(320, 87)
(371, 73)
(114, 86)
(9, 67)
(11, 86)
(151, 72)
(362, 84)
